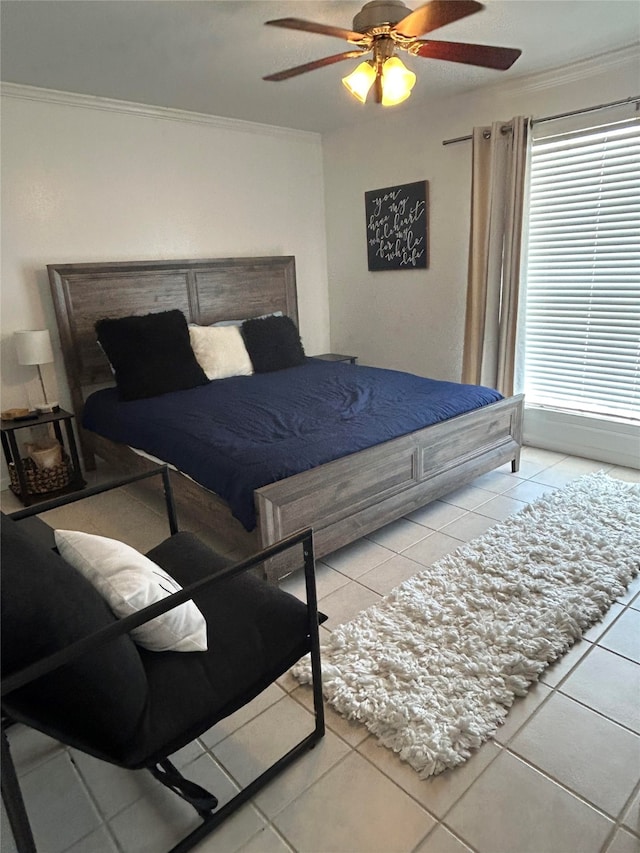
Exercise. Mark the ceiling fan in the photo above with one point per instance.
(383, 26)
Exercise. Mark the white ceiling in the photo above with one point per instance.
(209, 56)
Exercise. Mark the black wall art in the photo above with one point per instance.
(397, 227)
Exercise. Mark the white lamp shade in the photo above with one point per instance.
(360, 81)
(34, 347)
(397, 82)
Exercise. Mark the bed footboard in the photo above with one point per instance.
(353, 496)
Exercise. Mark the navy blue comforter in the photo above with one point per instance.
(235, 435)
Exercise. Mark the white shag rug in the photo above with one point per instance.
(433, 668)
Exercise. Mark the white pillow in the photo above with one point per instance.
(220, 351)
(129, 582)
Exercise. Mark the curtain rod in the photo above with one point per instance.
(634, 99)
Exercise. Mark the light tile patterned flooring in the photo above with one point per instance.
(562, 775)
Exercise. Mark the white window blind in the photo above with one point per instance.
(582, 326)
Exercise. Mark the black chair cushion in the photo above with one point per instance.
(47, 605)
(122, 703)
(255, 633)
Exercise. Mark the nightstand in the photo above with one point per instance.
(25, 484)
(335, 356)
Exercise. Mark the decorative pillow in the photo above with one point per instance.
(273, 343)
(129, 582)
(220, 351)
(150, 354)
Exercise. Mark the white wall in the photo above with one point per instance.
(414, 320)
(90, 180)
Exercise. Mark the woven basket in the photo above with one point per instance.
(41, 480)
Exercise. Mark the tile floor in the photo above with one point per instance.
(562, 775)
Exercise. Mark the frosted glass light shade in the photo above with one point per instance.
(34, 347)
(360, 81)
(397, 82)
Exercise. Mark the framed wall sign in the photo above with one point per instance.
(397, 227)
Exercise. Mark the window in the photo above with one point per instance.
(582, 327)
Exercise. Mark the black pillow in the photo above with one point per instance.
(273, 343)
(150, 354)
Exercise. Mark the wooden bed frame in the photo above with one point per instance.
(341, 500)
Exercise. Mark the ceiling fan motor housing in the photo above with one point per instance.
(379, 12)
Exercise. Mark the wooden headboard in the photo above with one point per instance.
(206, 291)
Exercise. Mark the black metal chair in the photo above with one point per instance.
(71, 670)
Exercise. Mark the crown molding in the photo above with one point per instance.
(93, 102)
(575, 71)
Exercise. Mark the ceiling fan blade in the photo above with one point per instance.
(311, 66)
(484, 55)
(434, 15)
(312, 27)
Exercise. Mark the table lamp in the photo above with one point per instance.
(34, 347)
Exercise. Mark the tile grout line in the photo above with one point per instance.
(104, 822)
(446, 828)
(595, 711)
(580, 797)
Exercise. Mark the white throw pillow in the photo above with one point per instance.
(129, 582)
(220, 351)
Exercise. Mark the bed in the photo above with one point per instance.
(342, 499)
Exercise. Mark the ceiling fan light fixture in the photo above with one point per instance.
(397, 82)
(384, 26)
(360, 80)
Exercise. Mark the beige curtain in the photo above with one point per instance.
(497, 202)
